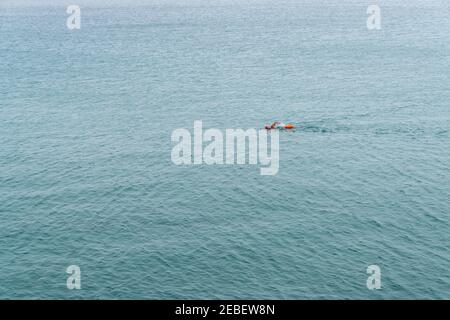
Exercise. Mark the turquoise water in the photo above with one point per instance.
(86, 176)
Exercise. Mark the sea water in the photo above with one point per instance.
(86, 178)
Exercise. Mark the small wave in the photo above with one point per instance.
(323, 127)
(312, 128)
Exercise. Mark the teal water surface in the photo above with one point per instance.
(86, 176)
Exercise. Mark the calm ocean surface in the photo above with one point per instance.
(86, 176)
